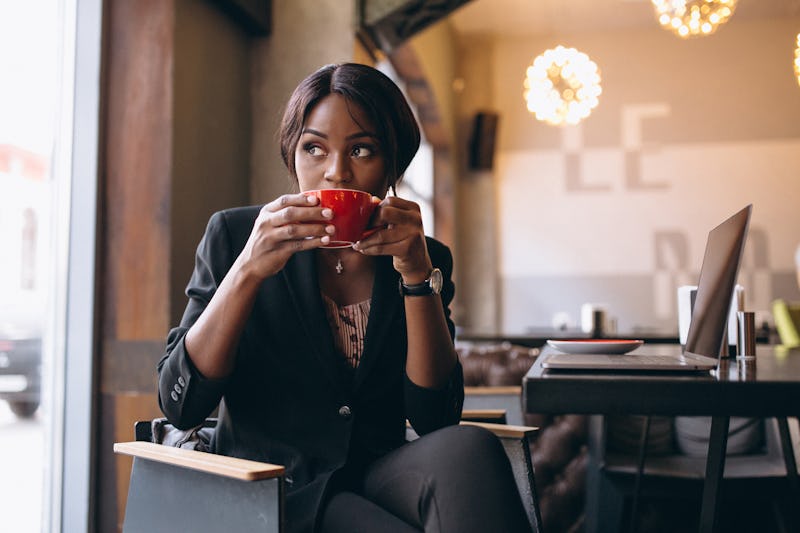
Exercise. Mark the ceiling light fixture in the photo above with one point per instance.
(562, 86)
(693, 18)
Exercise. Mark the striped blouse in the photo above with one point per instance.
(349, 327)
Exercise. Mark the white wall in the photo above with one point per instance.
(617, 209)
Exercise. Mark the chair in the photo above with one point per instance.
(218, 493)
(616, 479)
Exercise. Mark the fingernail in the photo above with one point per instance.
(311, 199)
(327, 213)
(325, 239)
(330, 229)
(357, 245)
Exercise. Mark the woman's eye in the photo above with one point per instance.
(313, 149)
(362, 151)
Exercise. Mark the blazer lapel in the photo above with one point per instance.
(384, 309)
(302, 282)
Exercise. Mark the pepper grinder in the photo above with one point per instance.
(747, 335)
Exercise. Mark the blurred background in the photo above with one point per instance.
(124, 124)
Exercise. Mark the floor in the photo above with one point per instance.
(735, 517)
(22, 472)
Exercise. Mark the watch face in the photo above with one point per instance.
(436, 281)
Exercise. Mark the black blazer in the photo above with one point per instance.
(292, 400)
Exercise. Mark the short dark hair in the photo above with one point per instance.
(375, 94)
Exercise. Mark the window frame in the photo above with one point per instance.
(70, 502)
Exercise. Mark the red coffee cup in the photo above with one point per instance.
(351, 213)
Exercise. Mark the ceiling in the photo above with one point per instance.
(535, 17)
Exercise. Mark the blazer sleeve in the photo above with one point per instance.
(185, 396)
(431, 409)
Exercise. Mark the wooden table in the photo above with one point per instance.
(768, 386)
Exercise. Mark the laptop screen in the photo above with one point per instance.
(723, 255)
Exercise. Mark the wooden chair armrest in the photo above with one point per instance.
(482, 416)
(504, 430)
(206, 462)
(494, 415)
(504, 390)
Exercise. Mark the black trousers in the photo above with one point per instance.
(455, 480)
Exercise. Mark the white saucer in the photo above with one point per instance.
(599, 346)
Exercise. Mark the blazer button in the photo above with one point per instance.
(345, 412)
(174, 396)
(181, 381)
(178, 388)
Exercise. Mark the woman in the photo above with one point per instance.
(316, 357)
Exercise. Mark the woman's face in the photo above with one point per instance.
(338, 149)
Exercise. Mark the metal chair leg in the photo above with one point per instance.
(715, 466)
(639, 472)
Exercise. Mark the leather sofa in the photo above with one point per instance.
(559, 451)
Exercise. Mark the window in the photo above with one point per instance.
(417, 184)
(50, 57)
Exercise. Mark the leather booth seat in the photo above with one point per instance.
(559, 451)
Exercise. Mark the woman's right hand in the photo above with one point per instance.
(285, 226)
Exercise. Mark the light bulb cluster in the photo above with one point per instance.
(562, 86)
(691, 18)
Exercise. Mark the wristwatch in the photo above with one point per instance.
(432, 285)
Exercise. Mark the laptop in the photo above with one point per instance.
(704, 341)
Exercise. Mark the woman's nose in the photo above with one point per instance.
(338, 170)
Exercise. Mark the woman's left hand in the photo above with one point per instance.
(400, 235)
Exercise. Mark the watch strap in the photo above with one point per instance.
(432, 285)
(415, 289)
